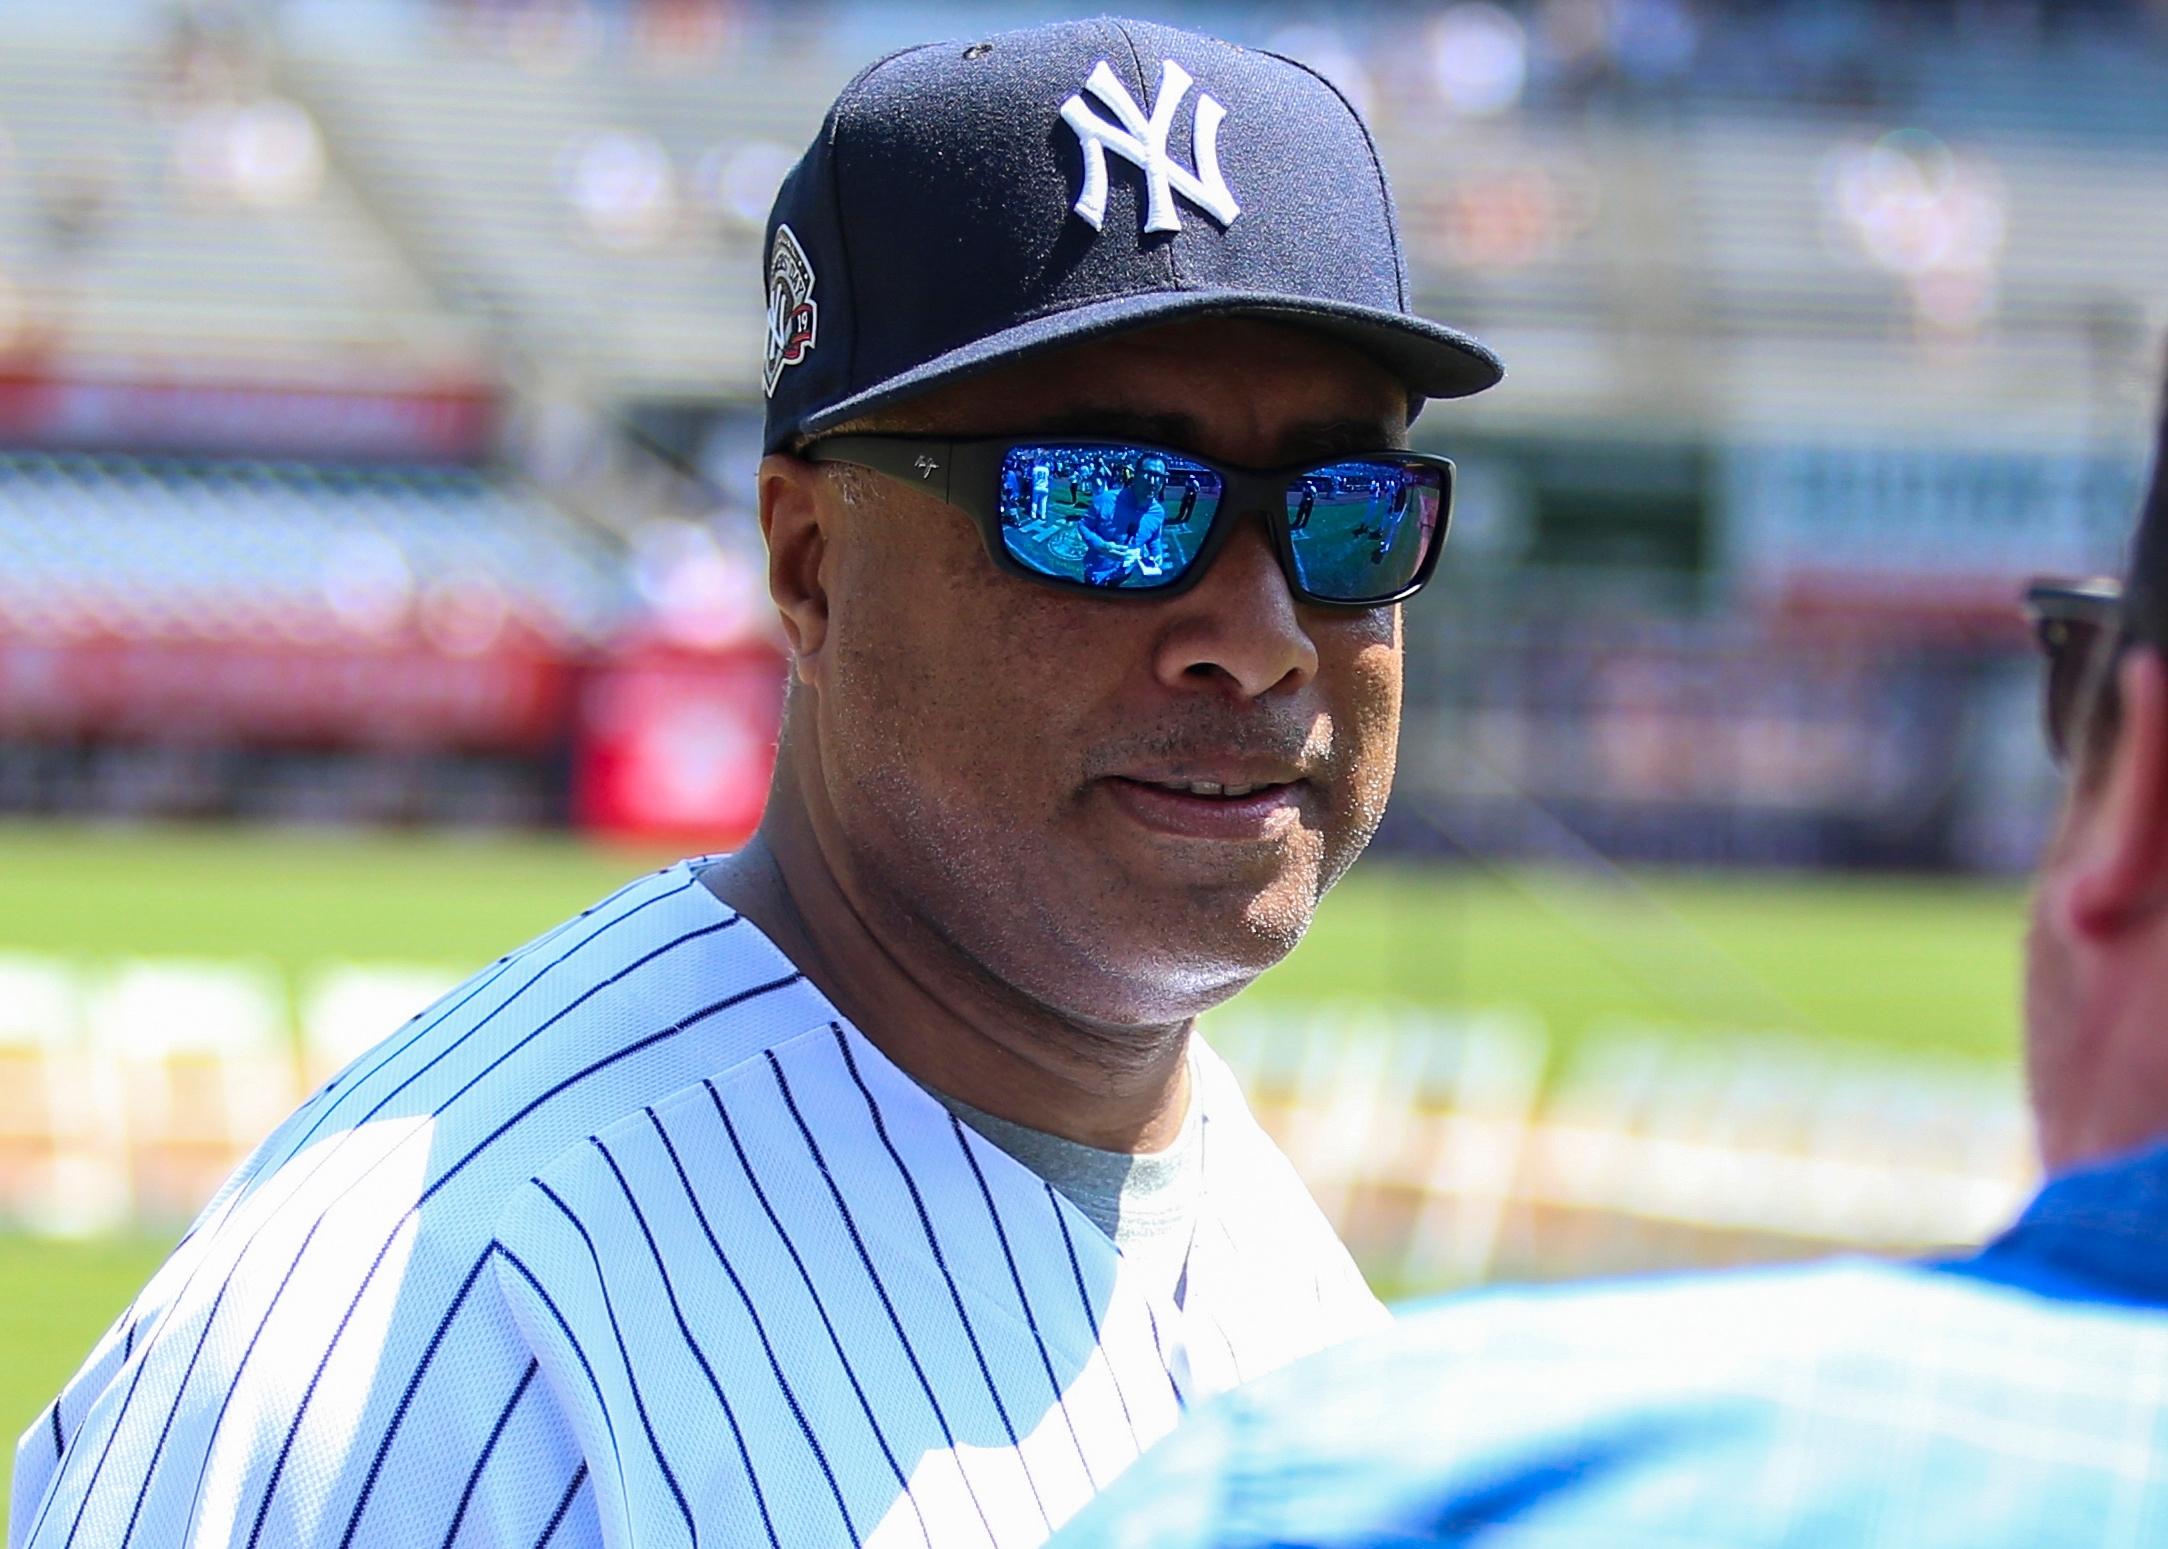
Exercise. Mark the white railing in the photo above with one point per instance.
(129, 1089)
(1450, 1148)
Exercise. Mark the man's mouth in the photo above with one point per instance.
(1240, 810)
(1214, 787)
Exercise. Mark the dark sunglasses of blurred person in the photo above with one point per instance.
(1357, 530)
(2080, 630)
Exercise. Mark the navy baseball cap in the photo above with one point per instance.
(971, 203)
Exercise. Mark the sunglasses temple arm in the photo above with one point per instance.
(926, 465)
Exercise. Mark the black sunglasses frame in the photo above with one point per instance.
(2080, 629)
(967, 474)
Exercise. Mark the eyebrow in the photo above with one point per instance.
(1310, 439)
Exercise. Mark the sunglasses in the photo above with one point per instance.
(2079, 626)
(1129, 519)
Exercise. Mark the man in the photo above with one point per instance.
(1042, 487)
(2017, 1396)
(1121, 528)
(1385, 527)
(867, 1186)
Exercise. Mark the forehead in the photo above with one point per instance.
(1250, 392)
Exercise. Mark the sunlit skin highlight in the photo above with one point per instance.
(965, 847)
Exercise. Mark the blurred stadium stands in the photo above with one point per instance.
(338, 339)
(156, 206)
(322, 324)
(293, 553)
(444, 183)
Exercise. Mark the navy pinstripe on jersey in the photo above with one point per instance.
(631, 1240)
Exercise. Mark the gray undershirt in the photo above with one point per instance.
(1145, 1201)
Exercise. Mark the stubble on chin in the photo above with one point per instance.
(1039, 915)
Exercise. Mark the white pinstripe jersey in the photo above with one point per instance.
(631, 1240)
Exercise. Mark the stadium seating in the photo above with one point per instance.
(108, 244)
(61, 1118)
(348, 1008)
(1755, 1139)
(288, 552)
(1447, 1149)
(576, 206)
(206, 1071)
(598, 214)
(1452, 1151)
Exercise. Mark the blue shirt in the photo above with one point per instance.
(2016, 1396)
(1126, 516)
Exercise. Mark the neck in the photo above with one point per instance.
(2100, 1084)
(934, 1011)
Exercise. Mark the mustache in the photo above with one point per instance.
(1299, 740)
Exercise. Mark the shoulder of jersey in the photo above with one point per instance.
(640, 996)
(417, 1148)
(396, 1174)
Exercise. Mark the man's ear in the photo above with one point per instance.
(793, 520)
(2121, 867)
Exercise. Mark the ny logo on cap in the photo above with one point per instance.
(1142, 142)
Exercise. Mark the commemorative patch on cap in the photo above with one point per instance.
(793, 314)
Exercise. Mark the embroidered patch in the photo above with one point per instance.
(793, 315)
(1142, 142)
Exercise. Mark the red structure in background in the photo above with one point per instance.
(515, 698)
(644, 730)
(678, 744)
(667, 743)
(348, 417)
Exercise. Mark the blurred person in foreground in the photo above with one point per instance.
(2016, 1396)
(867, 1186)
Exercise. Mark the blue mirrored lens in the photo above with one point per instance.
(1108, 516)
(1361, 530)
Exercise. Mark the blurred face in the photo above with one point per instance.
(1123, 809)
(2097, 951)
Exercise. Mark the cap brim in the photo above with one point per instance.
(1433, 360)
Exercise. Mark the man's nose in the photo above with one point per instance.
(1239, 627)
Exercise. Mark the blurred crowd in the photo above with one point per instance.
(1476, 56)
(517, 236)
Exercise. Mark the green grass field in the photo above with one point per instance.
(1916, 965)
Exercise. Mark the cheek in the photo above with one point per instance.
(1366, 713)
(892, 631)
(948, 669)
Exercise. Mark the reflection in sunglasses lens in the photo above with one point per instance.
(1106, 516)
(1135, 518)
(1361, 530)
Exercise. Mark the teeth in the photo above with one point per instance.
(1210, 788)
